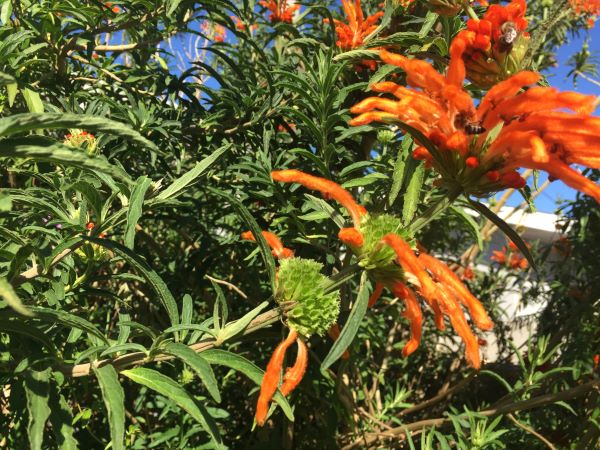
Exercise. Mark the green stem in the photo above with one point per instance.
(470, 11)
(435, 210)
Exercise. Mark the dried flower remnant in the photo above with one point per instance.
(281, 10)
(481, 149)
(392, 264)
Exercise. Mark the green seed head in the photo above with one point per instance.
(379, 259)
(300, 281)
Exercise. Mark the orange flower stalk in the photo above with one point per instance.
(277, 248)
(281, 10)
(272, 375)
(328, 188)
(530, 129)
(352, 34)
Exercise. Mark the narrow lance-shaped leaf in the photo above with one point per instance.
(413, 193)
(506, 229)
(155, 281)
(10, 296)
(247, 368)
(256, 231)
(173, 391)
(189, 177)
(113, 396)
(350, 327)
(198, 364)
(61, 419)
(36, 386)
(134, 212)
(42, 150)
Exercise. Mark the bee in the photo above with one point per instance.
(508, 38)
(474, 128)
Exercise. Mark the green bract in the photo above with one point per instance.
(379, 259)
(300, 281)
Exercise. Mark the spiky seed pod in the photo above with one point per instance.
(300, 280)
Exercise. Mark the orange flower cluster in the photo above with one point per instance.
(442, 290)
(510, 257)
(291, 378)
(281, 10)
(352, 34)
(277, 248)
(214, 31)
(480, 149)
(586, 6)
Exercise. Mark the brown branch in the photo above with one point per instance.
(229, 285)
(38, 269)
(438, 398)
(140, 358)
(524, 405)
(531, 431)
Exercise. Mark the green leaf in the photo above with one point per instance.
(256, 231)
(136, 202)
(61, 420)
(413, 193)
(247, 368)
(10, 296)
(198, 363)
(155, 281)
(33, 101)
(472, 225)
(350, 327)
(41, 149)
(26, 329)
(506, 229)
(399, 166)
(12, 90)
(20, 123)
(114, 398)
(234, 328)
(189, 177)
(67, 319)
(36, 386)
(187, 311)
(173, 391)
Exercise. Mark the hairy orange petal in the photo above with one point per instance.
(351, 237)
(270, 380)
(450, 280)
(279, 251)
(506, 89)
(326, 187)
(376, 294)
(294, 374)
(413, 314)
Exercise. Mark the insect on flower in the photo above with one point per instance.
(531, 129)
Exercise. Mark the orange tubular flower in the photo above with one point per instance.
(294, 374)
(530, 129)
(352, 34)
(271, 378)
(277, 248)
(440, 294)
(453, 284)
(328, 188)
(591, 7)
(281, 10)
(413, 314)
